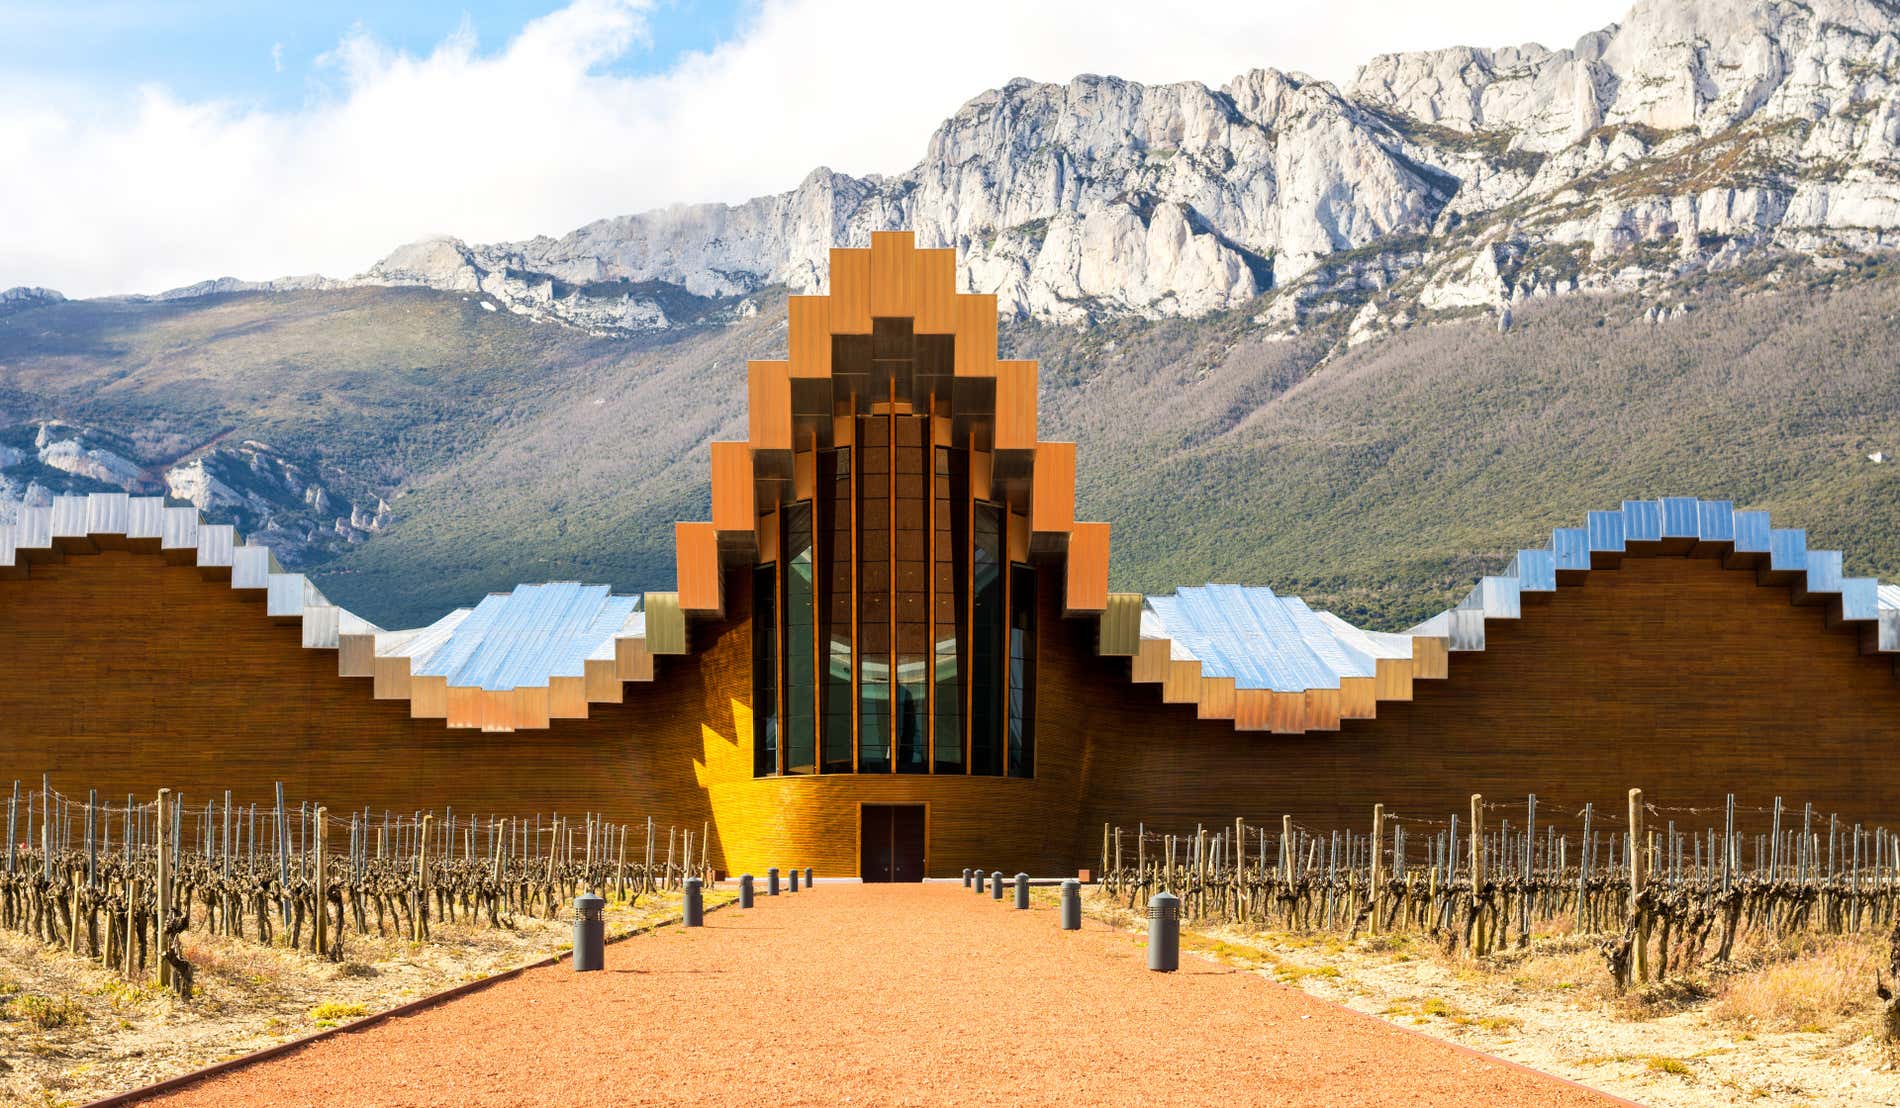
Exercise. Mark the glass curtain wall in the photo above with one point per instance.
(894, 634)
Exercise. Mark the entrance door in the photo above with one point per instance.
(893, 842)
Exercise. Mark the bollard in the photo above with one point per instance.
(1022, 891)
(979, 882)
(1164, 932)
(808, 877)
(745, 891)
(590, 932)
(996, 884)
(1072, 905)
(793, 886)
(966, 877)
(771, 881)
(694, 910)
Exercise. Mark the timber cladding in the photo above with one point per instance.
(1668, 673)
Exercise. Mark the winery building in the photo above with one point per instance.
(893, 650)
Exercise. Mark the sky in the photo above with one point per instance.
(147, 145)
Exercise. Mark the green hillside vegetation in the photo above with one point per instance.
(1379, 482)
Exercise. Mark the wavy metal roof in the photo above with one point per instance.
(522, 638)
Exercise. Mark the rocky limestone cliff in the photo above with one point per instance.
(1694, 133)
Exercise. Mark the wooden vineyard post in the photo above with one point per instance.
(164, 883)
(649, 874)
(422, 880)
(620, 872)
(1243, 903)
(1638, 878)
(1477, 865)
(320, 883)
(1378, 837)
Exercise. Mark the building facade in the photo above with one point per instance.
(893, 651)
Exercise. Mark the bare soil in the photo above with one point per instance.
(113, 1034)
(890, 995)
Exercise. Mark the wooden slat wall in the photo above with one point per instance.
(1669, 673)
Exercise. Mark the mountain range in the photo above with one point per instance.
(1232, 291)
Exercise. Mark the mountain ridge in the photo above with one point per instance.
(1690, 134)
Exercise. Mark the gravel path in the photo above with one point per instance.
(892, 994)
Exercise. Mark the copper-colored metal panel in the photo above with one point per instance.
(567, 696)
(893, 274)
(976, 335)
(1015, 405)
(356, 656)
(936, 291)
(1431, 657)
(1251, 709)
(462, 707)
(392, 680)
(698, 569)
(982, 471)
(1358, 697)
(851, 291)
(1087, 582)
(601, 682)
(666, 623)
(1392, 677)
(769, 405)
(1120, 629)
(633, 660)
(1322, 710)
(428, 697)
(530, 708)
(1151, 662)
(810, 335)
(1052, 499)
(1286, 713)
(1018, 537)
(1217, 698)
(1183, 682)
(734, 505)
(768, 536)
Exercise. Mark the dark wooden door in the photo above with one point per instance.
(892, 842)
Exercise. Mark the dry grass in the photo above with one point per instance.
(1813, 984)
(71, 1031)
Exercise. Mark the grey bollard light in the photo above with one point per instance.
(979, 882)
(1072, 905)
(771, 881)
(996, 884)
(1164, 932)
(1022, 891)
(966, 877)
(745, 890)
(694, 910)
(590, 933)
(807, 877)
(793, 887)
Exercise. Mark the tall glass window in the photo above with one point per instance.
(764, 671)
(1022, 671)
(910, 593)
(950, 580)
(874, 594)
(801, 694)
(835, 515)
(986, 641)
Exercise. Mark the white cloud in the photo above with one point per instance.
(536, 137)
(277, 56)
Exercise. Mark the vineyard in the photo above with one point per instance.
(120, 883)
(1662, 889)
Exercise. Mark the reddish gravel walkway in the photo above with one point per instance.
(918, 994)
